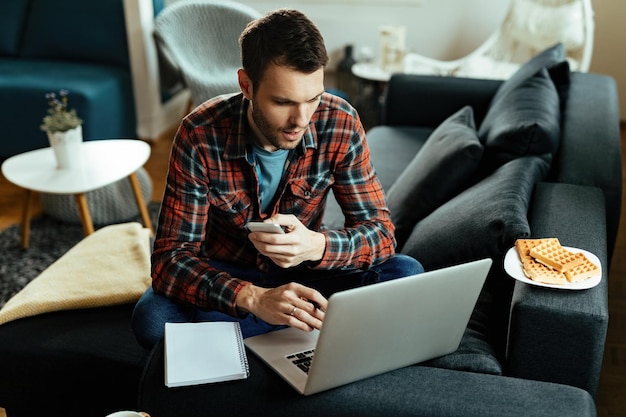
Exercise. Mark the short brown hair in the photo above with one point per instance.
(284, 37)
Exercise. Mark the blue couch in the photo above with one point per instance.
(76, 45)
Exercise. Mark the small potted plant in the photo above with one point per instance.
(64, 129)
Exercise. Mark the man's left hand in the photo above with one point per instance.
(299, 244)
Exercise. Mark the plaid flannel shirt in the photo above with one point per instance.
(212, 191)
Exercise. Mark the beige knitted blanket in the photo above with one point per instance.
(111, 266)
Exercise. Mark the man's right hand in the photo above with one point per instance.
(292, 304)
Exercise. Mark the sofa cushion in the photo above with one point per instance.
(392, 148)
(551, 58)
(441, 169)
(524, 121)
(408, 391)
(554, 60)
(476, 352)
(12, 17)
(521, 119)
(482, 221)
(92, 31)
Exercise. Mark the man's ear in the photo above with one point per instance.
(245, 84)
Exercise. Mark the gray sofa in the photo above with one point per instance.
(469, 166)
(467, 171)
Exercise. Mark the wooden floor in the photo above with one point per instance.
(611, 401)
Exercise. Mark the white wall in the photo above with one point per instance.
(436, 28)
(446, 29)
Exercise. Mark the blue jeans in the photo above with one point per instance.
(154, 310)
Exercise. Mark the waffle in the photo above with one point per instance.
(540, 273)
(586, 269)
(582, 269)
(555, 256)
(533, 269)
(523, 247)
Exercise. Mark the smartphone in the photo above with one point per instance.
(265, 227)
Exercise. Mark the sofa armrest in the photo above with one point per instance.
(426, 101)
(590, 150)
(559, 335)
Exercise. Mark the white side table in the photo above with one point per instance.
(371, 72)
(372, 85)
(103, 162)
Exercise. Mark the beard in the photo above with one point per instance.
(270, 133)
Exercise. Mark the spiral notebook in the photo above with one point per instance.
(201, 353)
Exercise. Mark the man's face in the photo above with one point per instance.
(282, 105)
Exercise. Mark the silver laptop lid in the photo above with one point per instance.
(378, 328)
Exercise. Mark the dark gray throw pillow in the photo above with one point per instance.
(474, 354)
(524, 115)
(551, 58)
(482, 221)
(442, 168)
(524, 121)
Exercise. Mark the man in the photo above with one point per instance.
(271, 153)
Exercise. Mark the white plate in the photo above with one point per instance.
(513, 267)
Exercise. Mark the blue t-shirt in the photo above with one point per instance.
(269, 169)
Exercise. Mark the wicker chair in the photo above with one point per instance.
(199, 40)
(529, 27)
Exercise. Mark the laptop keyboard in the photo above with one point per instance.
(302, 359)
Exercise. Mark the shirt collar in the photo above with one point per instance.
(236, 145)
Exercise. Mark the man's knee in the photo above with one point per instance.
(399, 266)
(409, 264)
(149, 317)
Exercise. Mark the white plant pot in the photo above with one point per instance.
(66, 147)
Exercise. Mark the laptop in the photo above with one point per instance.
(377, 328)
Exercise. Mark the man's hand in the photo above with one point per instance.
(292, 304)
(298, 245)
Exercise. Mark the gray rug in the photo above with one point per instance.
(49, 240)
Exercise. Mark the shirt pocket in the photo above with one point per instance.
(304, 196)
(230, 207)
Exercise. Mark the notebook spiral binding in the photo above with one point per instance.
(243, 358)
